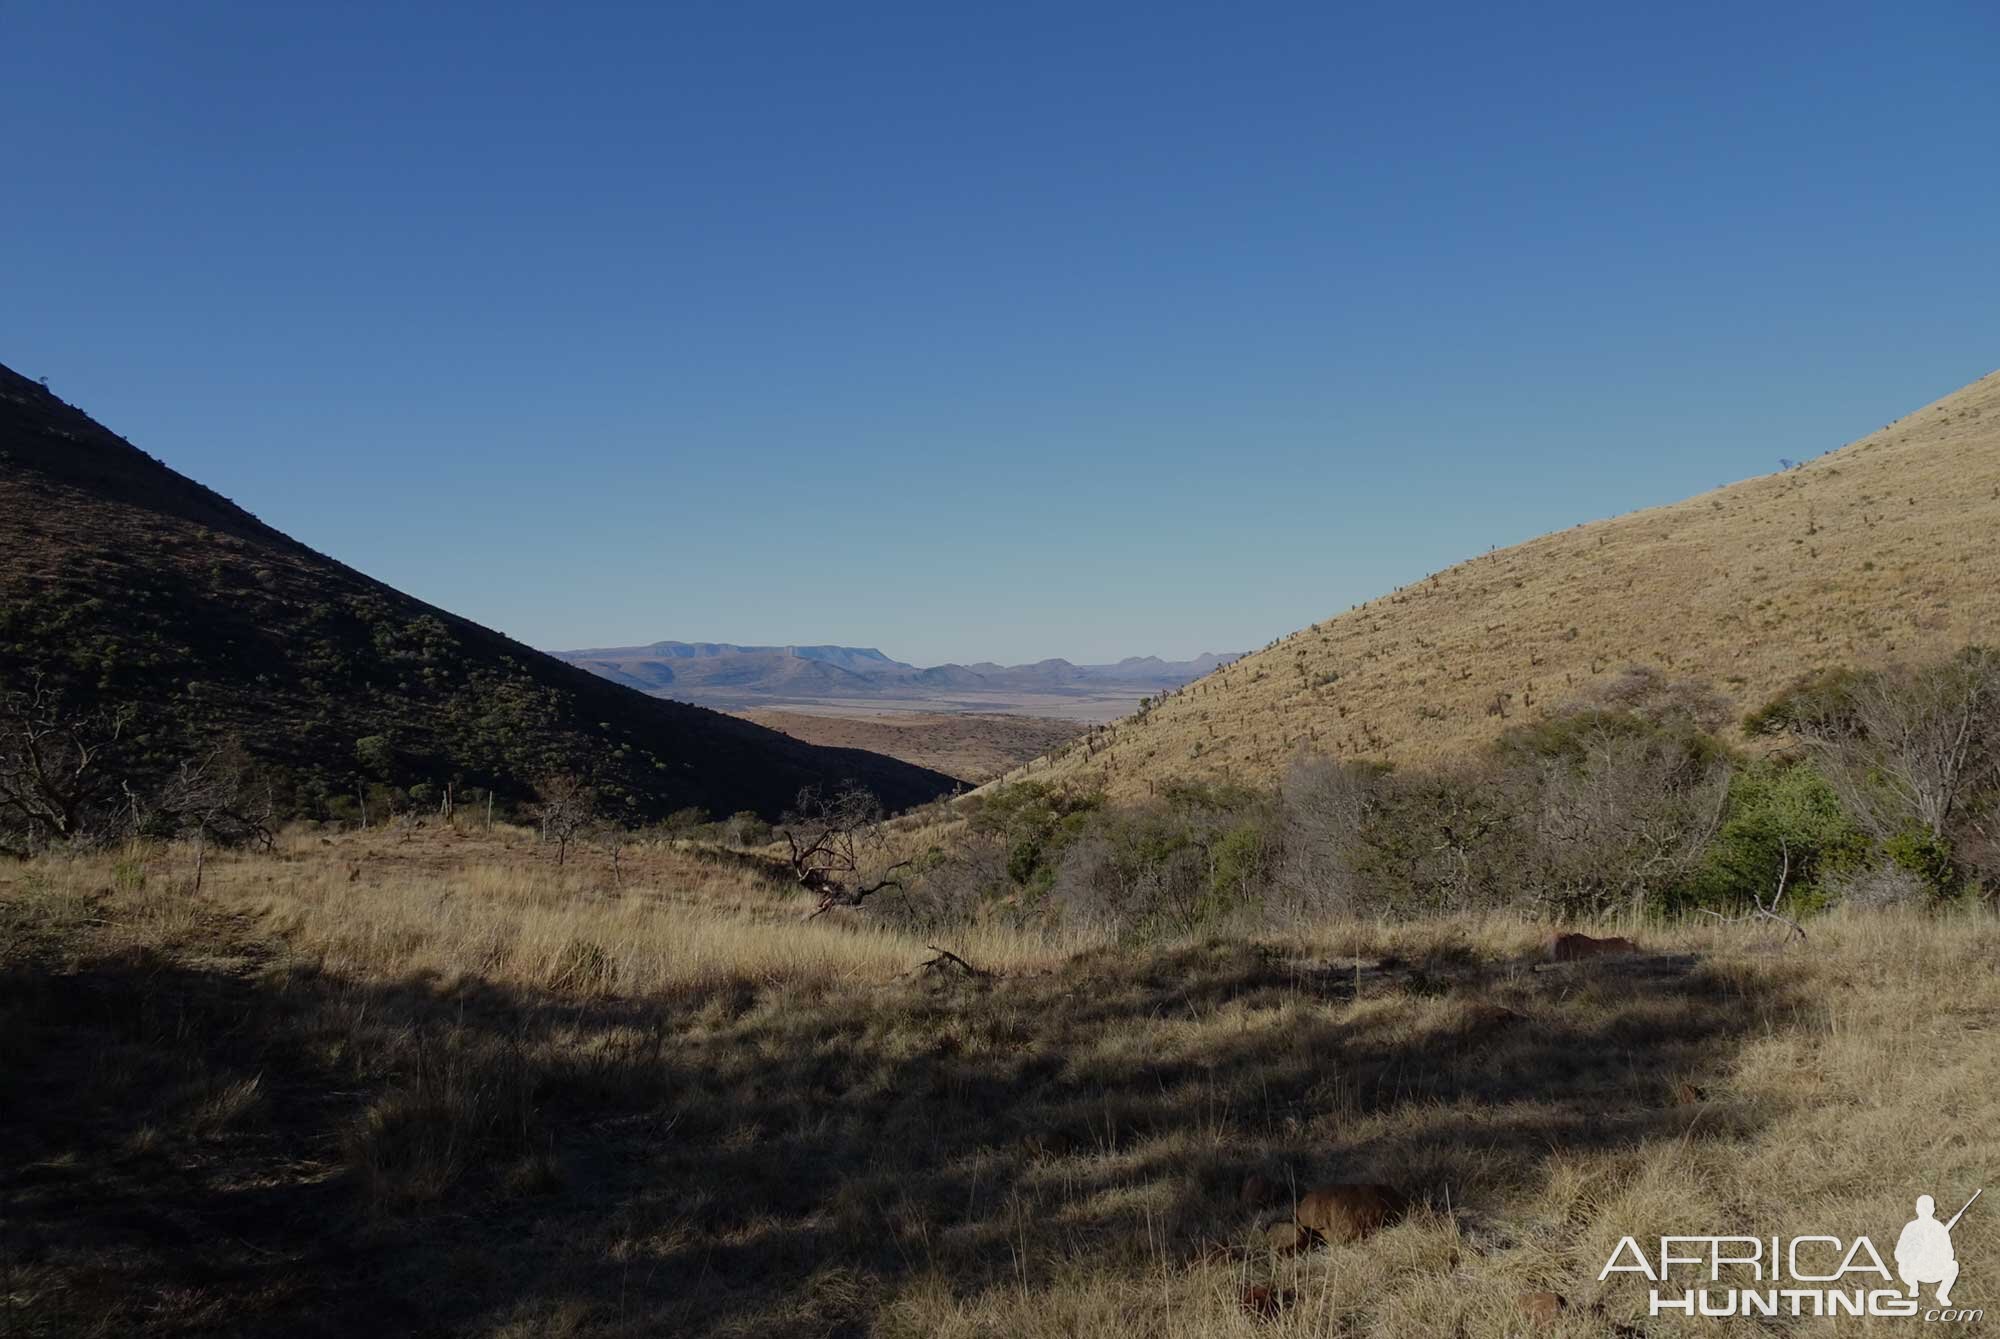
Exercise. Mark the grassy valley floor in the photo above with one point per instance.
(425, 1081)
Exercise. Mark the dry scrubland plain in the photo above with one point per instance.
(424, 1081)
(1882, 550)
(973, 748)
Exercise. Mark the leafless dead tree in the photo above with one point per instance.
(1913, 745)
(55, 782)
(568, 807)
(614, 846)
(215, 799)
(1325, 808)
(832, 839)
(1620, 823)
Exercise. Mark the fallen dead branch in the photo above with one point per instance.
(946, 960)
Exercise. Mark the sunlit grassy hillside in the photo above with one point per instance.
(1881, 550)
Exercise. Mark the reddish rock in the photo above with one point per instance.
(1575, 947)
(1543, 1307)
(1343, 1212)
(1265, 1302)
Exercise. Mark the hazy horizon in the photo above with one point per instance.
(890, 652)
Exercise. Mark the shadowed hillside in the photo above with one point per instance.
(130, 585)
(1879, 551)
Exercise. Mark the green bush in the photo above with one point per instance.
(1930, 858)
(1439, 841)
(1779, 819)
(746, 828)
(1573, 736)
(377, 756)
(1177, 864)
(1239, 859)
(684, 822)
(1036, 823)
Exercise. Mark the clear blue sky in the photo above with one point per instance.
(985, 331)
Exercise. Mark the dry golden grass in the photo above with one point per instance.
(665, 923)
(1878, 551)
(429, 1082)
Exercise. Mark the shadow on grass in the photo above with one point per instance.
(232, 1149)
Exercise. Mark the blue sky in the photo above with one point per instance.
(985, 331)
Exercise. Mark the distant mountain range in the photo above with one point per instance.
(720, 674)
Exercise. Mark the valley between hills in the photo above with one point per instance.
(1290, 808)
(972, 722)
(363, 969)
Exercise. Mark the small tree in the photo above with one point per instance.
(1324, 811)
(1628, 819)
(613, 838)
(568, 807)
(1927, 739)
(1914, 755)
(377, 756)
(56, 784)
(832, 839)
(215, 799)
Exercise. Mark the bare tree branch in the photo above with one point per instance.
(568, 806)
(946, 958)
(211, 799)
(55, 782)
(831, 840)
(1770, 912)
(1912, 745)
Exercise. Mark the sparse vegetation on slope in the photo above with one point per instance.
(133, 591)
(1878, 551)
(1622, 802)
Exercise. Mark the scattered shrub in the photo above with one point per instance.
(1782, 821)
(1878, 885)
(1927, 858)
